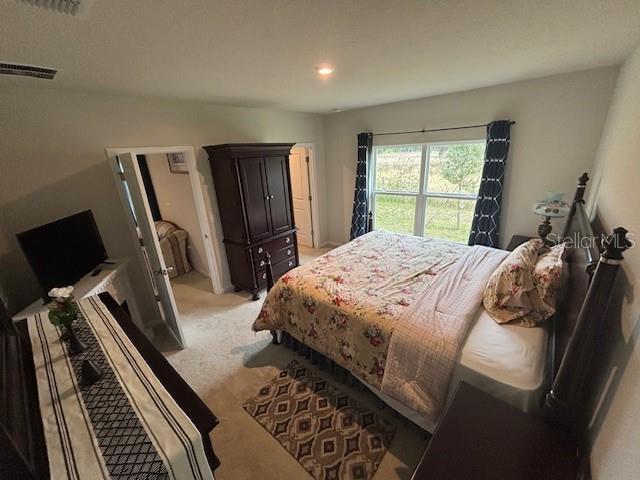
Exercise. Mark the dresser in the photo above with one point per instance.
(253, 190)
(23, 445)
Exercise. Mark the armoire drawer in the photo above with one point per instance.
(259, 252)
(278, 269)
(284, 266)
(276, 257)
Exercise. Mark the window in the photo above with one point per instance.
(427, 189)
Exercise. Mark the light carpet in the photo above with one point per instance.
(225, 363)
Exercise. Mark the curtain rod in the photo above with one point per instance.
(435, 129)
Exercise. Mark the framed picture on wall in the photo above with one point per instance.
(177, 163)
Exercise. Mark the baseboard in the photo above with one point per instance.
(330, 244)
(202, 271)
(149, 332)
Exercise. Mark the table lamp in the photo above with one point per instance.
(551, 207)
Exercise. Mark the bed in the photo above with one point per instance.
(350, 303)
(348, 307)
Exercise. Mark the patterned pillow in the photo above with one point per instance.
(506, 296)
(548, 277)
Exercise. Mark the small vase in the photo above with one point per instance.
(75, 344)
(91, 373)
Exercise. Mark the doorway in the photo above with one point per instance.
(160, 188)
(303, 192)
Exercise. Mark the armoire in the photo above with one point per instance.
(253, 190)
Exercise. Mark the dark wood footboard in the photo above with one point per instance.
(270, 282)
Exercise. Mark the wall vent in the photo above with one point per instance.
(70, 7)
(27, 70)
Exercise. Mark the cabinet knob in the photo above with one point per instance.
(260, 250)
(264, 275)
(267, 197)
(271, 196)
(287, 240)
(288, 252)
(291, 263)
(262, 263)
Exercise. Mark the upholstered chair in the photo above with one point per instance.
(173, 244)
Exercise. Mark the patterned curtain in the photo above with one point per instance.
(485, 229)
(360, 217)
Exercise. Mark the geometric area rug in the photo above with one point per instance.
(325, 430)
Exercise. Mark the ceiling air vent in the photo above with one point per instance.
(27, 70)
(70, 7)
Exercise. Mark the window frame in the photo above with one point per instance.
(422, 195)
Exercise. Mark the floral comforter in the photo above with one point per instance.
(346, 303)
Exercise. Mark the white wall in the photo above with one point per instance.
(617, 426)
(559, 122)
(52, 160)
(177, 205)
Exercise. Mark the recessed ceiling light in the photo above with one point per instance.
(325, 70)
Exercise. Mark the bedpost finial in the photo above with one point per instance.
(584, 178)
(269, 272)
(616, 243)
(582, 186)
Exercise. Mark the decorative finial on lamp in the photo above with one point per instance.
(551, 207)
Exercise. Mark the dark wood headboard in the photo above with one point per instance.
(593, 266)
(581, 259)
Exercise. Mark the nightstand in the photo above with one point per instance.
(482, 438)
(516, 241)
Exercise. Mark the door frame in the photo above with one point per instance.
(208, 231)
(313, 188)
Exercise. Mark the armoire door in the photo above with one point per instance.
(256, 197)
(278, 190)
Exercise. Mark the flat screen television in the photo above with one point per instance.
(62, 252)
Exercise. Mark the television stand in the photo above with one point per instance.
(112, 277)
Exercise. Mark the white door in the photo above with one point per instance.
(300, 191)
(134, 190)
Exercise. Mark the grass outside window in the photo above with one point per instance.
(427, 189)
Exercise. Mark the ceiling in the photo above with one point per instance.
(263, 52)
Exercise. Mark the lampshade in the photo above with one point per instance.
(552, 206)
